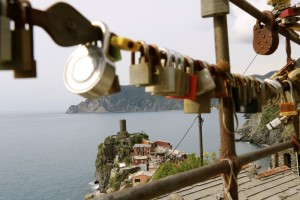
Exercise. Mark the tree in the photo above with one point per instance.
(192, 162)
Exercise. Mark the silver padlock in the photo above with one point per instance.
(89, 72)
(5, 34)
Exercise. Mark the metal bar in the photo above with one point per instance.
(226, 108)
(169, 184)
(254, 12)
(296, 125)
(200, 122)
(259, 154)
(184, 179)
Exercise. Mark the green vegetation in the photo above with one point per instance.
(269, 113)
(193, 161)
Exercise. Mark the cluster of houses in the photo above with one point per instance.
(150, 155)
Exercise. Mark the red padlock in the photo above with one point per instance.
(193, 81)
(290, 12)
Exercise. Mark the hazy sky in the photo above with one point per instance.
(175, 24)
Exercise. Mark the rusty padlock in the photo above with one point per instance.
(265, 37)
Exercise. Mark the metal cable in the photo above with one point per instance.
(177, 144)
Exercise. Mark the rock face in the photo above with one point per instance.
(115, 149)
(255, 131)
(130, 99)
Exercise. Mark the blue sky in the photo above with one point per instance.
(173, 24)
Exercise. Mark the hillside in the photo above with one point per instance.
(134, 99)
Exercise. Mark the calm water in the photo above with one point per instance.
(51, 156)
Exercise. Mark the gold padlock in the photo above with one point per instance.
(294, 76)
(166, 75)
(205, 81)
(23, 56)
(140, 73)
(200, 105)
(288, 108)
(5, 34)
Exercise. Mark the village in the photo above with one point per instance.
(147, 156)
(129, 159)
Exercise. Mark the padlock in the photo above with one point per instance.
(221, 89)
(252, 101)
(277, 122)
(280, 7)
(115, 87)
(200, 105)
(193, 80)
(275, 2)
(294, 76)
(178, 75)
(286, 107)
(23, 61)
(235, 94)
(140, 73)
(89, 72)
(261, 94)
(205, 81)
(5, 34)
(166, 75)
(241, 90)
(275, 91)
(184, 88)
(290, 12)
(265, 37)
(155, 62)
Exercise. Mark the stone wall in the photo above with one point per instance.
(287, 157)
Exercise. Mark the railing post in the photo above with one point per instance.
(226, 111)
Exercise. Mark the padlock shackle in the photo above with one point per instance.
(166, 54)
(190, 63)
(291, 89)
(144, 50)
(105, 35)
(276, 87)
(180, 61)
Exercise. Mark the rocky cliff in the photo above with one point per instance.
(130, 99)
(116, 149)
(255, 131)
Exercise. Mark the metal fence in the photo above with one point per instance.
(230, 164)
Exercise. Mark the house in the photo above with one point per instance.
(137, 160)
(164, 144)
(278, 183)
(141, 149)
(141, 177)
(288, 158)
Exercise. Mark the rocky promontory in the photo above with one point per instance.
(254, 130)
(135, 99)
(129, 99)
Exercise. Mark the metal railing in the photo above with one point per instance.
(229, 162)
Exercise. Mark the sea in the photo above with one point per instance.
(52, 156)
